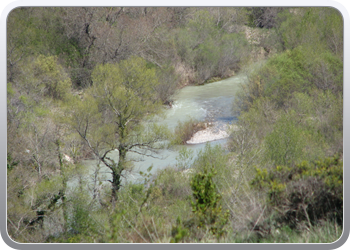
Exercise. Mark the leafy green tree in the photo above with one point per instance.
(114, 113)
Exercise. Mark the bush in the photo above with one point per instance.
(51, 77)
(285, 144)
(321, 114)
(173, 185)
(309, 192)
(168, 83)
(178, 233)
(285, 74)
(206, 207)
(185, 130)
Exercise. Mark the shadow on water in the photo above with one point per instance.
(227, 119)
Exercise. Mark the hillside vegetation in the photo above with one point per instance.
(83, 82)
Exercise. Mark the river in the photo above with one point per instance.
(213, 101)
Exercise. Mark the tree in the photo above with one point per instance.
(319, 28)
(113, 115)
(263, 17)
(18, 36)
(37, 177)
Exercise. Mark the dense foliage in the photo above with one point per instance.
(83, 83)
(306, 192)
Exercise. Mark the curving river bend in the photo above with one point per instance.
(213, 102)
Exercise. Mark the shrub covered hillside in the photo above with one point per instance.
(85, 82)
(291, 136)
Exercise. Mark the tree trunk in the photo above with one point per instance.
(62, 192)
(116, 182)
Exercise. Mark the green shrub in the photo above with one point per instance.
(285, 74)
(178, 233)
(309, 192)
(206, 205)
(172, 185)
(11, 163)
(185, 130)
(286, 143)
(51, 77)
